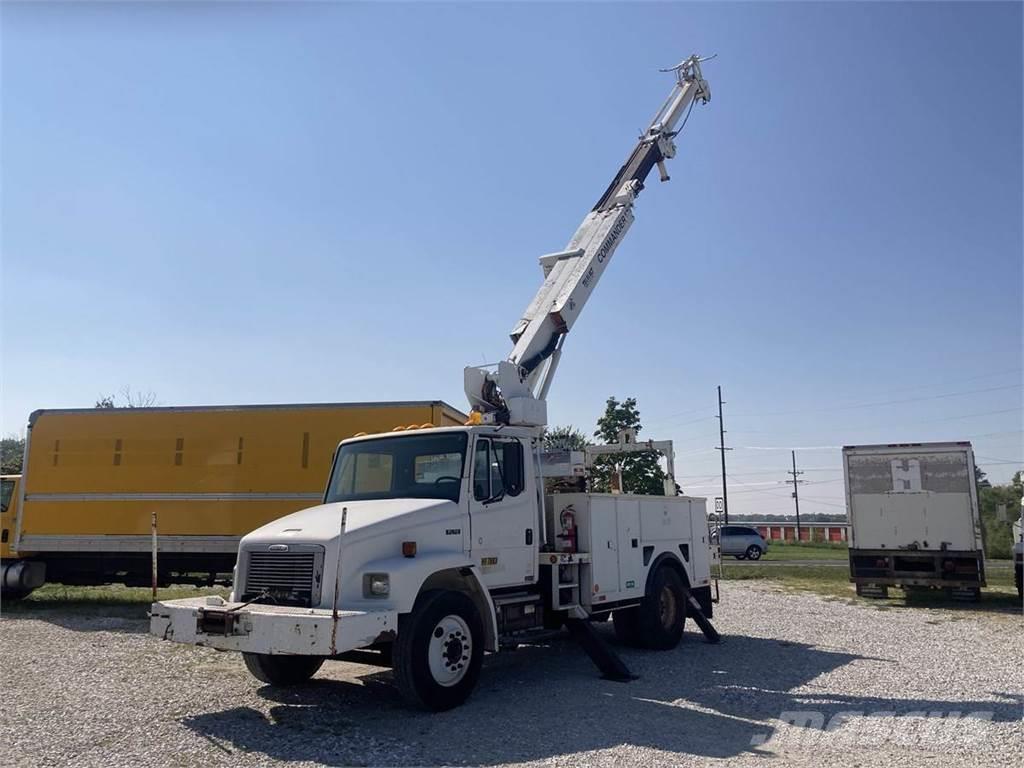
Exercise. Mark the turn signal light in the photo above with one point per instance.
(409, 548)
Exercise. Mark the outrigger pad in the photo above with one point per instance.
(606, 660)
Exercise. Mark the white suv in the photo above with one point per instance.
(742, 542)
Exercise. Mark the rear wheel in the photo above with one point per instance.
(662, 612)
(439, 650)
(282, 670)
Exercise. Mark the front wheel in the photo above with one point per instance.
(754, 552)
(439, 650)
(282, 670)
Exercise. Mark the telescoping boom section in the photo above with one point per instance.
(515, 391)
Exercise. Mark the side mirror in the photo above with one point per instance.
(512, 460)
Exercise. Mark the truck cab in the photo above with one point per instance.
(413, 503)
(8, 507)
(19, 575)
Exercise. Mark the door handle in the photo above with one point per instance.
(529, 536)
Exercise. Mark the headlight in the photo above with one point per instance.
(376, 585)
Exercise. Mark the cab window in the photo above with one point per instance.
(6, 493)
(482, 471)
(497, 469)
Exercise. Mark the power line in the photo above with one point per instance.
(878, 404)
(824, 503)
(966, 416)
(993, 460)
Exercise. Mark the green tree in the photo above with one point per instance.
(12, 454)
(567, 437)
(998, 534)
(641, 472)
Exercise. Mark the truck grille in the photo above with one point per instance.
(289, 577)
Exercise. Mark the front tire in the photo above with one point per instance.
(754, 552)
(439, 650)
(281, 670)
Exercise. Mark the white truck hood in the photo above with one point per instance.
(322, 523)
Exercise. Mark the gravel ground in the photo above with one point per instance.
(88, 690)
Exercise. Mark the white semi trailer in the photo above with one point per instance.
(914, 519)
(434, 545)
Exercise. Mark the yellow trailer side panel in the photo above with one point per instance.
(167, 450)
(205, 471)
(175, 517)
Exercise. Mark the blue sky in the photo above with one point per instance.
(329, 202)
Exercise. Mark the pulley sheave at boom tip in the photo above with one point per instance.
(515, 391)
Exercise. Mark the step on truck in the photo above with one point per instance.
(914, 519)
(435, 545)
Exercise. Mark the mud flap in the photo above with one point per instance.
(606, 660)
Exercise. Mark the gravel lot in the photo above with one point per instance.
(89, 690)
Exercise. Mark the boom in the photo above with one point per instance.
(516, 392)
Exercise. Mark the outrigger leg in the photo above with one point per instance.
(710, 633)
(611, 666)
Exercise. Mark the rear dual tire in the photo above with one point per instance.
(658, 622)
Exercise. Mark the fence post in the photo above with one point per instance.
(153, 525)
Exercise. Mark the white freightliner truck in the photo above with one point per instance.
(914, 519)
(434, 545)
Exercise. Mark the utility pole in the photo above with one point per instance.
(796, 495)
(723, 449)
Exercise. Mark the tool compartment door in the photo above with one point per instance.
(699, 563)
(603, 536)
(631, 564)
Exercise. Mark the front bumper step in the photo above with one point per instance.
(271, 629)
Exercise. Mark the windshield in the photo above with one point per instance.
(409, 467)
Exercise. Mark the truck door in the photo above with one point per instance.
(8, 507)
(503, 518)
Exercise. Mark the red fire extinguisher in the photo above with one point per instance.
(567, 536)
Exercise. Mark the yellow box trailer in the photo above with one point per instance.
(81, 512)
